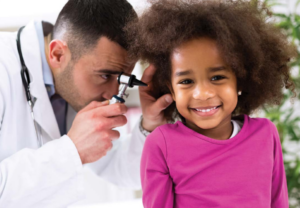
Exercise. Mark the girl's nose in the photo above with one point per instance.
(203, 92)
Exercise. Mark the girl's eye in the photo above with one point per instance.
(187, 81)
(218, 77)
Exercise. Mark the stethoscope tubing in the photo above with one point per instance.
(26, 83)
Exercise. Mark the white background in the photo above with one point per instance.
(16, 13)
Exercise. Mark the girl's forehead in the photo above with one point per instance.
(201, 52)
(203, 41)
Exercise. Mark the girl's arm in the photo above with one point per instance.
(279, 185)
(156, 181)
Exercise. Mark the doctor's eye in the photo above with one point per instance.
(186, 81)
(218, 77)
(105, 76)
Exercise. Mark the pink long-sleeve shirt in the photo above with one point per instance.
(183, 169)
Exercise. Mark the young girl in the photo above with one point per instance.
(217, 60)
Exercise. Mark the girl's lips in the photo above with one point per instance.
(203, 112)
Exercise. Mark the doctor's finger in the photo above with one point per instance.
(110, 110)
(148, 74)
(160, 104)
(109, 123)
(105, 141)
(113, 135)
(94, 104)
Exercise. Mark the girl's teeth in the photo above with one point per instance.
(207, 110)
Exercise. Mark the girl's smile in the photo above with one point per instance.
(204, 87)
(206, 111)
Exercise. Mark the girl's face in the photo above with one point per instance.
(204, 87)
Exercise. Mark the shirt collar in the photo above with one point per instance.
(47, 75)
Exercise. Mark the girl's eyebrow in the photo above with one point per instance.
(211, 69)
(182, 73)
(216, 69)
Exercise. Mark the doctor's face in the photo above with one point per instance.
(93, 77)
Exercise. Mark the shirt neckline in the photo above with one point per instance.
(236, 128)
(215, 141)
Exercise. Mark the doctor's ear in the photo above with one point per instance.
(58, 53)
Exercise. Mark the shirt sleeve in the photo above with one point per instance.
(47, 177)
(121, 165)
(157, 184)
(279, 184)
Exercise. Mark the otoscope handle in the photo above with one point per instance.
(116, 99)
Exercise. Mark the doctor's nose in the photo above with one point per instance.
(203, 92)
(111, 90)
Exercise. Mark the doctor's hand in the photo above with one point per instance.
(92, 131)
(152, 108)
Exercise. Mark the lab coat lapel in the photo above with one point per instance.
(43, 110)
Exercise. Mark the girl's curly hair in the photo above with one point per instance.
(254, 48)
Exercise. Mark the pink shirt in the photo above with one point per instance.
(183, 169)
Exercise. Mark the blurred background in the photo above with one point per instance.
(286, 15)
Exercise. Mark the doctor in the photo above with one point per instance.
(71, 66)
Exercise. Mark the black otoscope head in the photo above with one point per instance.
(130, 80)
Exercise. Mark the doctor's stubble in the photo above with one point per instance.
(66, 87)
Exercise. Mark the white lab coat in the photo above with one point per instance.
(50, 176)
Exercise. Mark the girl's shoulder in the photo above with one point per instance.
(167, 130)
(260, 122)
(156, 140)
(264, 124)
(172, 128)
(159, 139)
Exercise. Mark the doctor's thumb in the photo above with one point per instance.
(95, 104)
(164, 101)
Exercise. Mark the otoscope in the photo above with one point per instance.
(125, 81)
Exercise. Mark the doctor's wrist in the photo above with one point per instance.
(149, 125)
(143, 130)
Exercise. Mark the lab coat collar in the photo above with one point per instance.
(43, 110)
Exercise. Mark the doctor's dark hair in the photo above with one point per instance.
(256, 51)
(82, 22)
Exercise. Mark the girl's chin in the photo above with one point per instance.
(205, 125)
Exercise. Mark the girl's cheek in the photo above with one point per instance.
(182, 108)
(230, 97)
(179, 95)
(182, 102)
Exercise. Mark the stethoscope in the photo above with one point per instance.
(26, 83)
